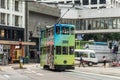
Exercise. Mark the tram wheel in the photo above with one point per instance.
(45, 67)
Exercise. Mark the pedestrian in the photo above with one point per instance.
(81, 61)
(23, 58)
(9, 59)
(104, 61)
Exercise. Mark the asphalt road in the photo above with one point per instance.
(35, 72)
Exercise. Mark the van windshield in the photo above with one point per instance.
(83, 54)
(92, 55)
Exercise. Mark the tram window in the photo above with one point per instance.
(42, 34)
(65, 30)
(58, 49)
(72, 30)
(77, 43)
(41, 50)
(71, 50)
(44, 50)
(65, 50)
(57, 30)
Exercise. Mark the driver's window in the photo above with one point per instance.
(57, 30)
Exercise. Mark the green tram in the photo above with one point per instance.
(79, 44)
(57, 47)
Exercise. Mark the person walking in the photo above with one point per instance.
(81, 61)
(104, 61)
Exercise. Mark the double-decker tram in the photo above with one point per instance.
(57, 47)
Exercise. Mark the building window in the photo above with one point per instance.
(16, 5)
(8, 19)
(8, 4)
(93, 1)
(102, 1)
(2, 33)
(68, 1)
(78, 2)
(2, 18)
(16, 20)
(102, 7)
(85, 2)
(93, 7)
(15, 35)
(2, 4)
(7, 34)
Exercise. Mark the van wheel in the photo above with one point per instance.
(90, 64)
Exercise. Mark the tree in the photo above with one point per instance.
(102, 37)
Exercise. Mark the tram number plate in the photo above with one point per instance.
(65, 42)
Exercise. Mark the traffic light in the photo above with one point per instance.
(110, 45)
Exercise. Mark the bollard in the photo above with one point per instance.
(21, 63)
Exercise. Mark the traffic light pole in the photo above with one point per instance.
(110, 61)
(110, 58)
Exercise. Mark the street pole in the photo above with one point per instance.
(39, 43)
(26, 28)
(110, 56)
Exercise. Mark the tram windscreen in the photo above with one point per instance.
(65, 30)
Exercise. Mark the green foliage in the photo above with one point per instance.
(102, 37)
(84, 42)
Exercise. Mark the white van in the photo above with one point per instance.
(89, 56)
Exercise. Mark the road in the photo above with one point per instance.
(35, 72)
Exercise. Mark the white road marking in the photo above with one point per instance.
(31, 71)
(39, 74)
(6, 76)
(102, 75)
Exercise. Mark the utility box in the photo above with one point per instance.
(1, 57)
(4, 58)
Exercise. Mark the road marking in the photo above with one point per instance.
(102, 75)
(39, 74)
(32, 71)
(6, 76)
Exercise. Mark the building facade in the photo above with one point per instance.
(39, 16)
(22, 20)
(12, 19)
(91, 16)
